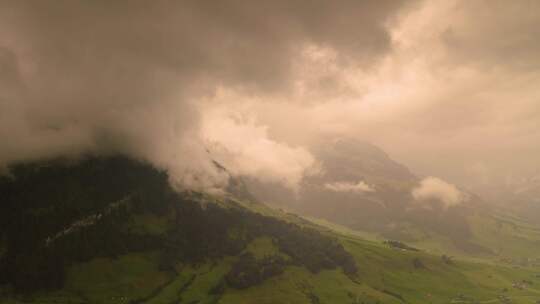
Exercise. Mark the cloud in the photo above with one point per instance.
(435, 189)
(454, 88)
(439, 85)
(238, 142)
(358, 187)
(80, 77)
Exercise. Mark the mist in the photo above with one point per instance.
(360, 186)
(257, 86)
(130, 77)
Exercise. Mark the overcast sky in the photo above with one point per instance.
(448, 88)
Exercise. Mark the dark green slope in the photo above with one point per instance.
(58, 215)
(111, 230)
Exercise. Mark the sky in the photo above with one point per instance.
(448, 88)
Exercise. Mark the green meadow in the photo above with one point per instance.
(385, 275)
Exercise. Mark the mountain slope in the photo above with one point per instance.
(111, 230)
(362, 188)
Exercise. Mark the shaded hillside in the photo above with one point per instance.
(59, 214)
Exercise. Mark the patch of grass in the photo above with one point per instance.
(297, 285)
(208, 276)
(264, 247)
(105, 280)
(45, 298)
(172, 292)
(342, 230)
(507, 236)
(150, 224)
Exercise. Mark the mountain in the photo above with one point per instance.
(353, 174)
(362, 188)
(337, 194)
(58, 216)
(112, 230)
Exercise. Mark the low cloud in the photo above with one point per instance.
(358, 187)
(434, 189)
(430, 82)
(244, 146)
(94, 77)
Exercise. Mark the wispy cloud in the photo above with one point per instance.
(435, 189)
(358, 187)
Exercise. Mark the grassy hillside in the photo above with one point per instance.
(157, 246)
(493, 236)
(385, 275)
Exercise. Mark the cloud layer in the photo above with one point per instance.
(128, 76)
(445, 87)
(457, 91)
(358, 187)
